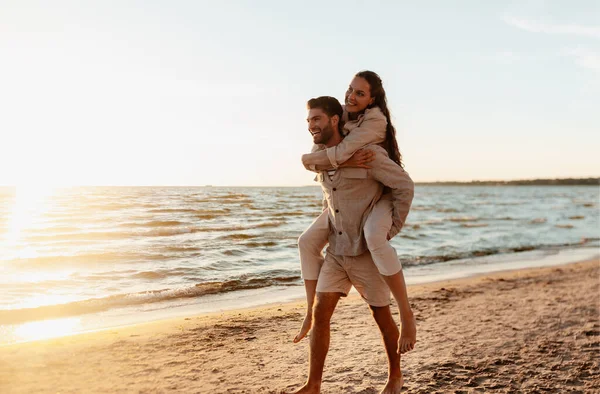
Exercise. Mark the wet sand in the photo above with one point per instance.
(527, 331)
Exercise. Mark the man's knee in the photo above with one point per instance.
(381, 313)
(324, 307)
(378, 309)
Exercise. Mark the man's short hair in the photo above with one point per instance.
(330, 105)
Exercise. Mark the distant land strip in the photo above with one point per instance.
(524, 182)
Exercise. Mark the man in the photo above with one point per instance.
(350, 194)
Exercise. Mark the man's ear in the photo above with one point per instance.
(335, 120)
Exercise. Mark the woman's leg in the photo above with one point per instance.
(310, 246)
(376, 229)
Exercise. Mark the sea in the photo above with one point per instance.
(89, 258)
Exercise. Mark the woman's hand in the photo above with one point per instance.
(360, 159)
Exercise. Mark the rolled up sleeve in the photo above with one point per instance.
(318, 156)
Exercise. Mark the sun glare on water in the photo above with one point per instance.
(25, 214)
(30, 203)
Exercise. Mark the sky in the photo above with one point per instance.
(214, 92)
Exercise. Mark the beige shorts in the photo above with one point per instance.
(340, 273)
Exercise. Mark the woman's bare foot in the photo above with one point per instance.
(393, 386)
(306, 326)
(408, 336)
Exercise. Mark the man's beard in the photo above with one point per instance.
(324, 136)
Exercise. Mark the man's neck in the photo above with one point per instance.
(335, 139)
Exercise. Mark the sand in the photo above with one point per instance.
(528, 331)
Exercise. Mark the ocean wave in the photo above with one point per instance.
(538, 221)
(207, 216)
(233, 201)
(406, 236)
(167, 232)
(432, 222)
(234, 252)
(422, 208)
(154, 223)
(242, 228)
(220, 211)
(238, 236)
(269, 224)
(135, 274)
(461, 219)
(94, 305)
(260, 244)
(447, 210)
(222, 229)
(181, 248)
(151, 275)
(473, 225)
(298, 196)
(109, 206)
(175, 210)
(284, 214)
(442, 258)
(232, 196)
(509, 203)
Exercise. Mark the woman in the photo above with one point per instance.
(366, 121)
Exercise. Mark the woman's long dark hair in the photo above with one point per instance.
(378, 93)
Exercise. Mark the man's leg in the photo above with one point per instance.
(319, 341)
(390, 334)
(370, 284)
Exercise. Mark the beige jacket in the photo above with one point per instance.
(351, 194)
(369, 128)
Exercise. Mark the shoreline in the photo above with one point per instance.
(532, 330)
(256, 298)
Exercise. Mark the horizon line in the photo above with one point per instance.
(597, 178)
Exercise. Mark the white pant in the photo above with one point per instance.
(378, 224)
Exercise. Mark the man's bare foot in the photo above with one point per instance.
(408, 336)
(309, 389)
(306, 326)
(393, 386)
